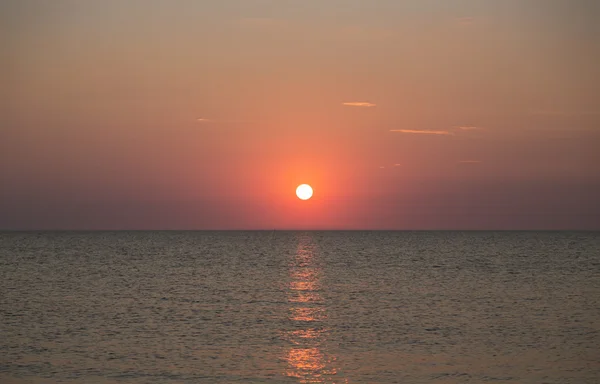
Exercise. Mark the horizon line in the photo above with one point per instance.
(309, 230)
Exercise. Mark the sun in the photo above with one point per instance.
(304, 192)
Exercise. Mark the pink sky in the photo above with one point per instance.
(429, 114)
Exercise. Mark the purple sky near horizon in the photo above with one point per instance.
(417, 114)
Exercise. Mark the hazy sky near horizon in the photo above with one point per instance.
(416, 114)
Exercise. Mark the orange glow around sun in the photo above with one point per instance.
(304, 192)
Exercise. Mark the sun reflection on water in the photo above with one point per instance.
(306, 358)
(309, 365)
(307, 314)
(305, 297)
(303, 286)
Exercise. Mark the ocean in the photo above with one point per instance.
(300, 307)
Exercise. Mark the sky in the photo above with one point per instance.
(415, 114)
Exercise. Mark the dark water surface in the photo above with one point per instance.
(300, 307)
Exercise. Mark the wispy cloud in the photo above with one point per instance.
(359, 104)
(465, 20)
(389, 166)
(460, 129)
(202, 120)
(563, 113)
(468, 128)
(422, 132)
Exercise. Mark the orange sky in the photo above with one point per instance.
(424, 114)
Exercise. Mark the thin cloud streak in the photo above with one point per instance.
(359, 104)
(563, 113)
(470, 162)
(422, 132)
(202, 120)
(468, 128)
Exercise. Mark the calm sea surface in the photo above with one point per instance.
(300, 307)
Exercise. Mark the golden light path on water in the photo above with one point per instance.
(307, 359)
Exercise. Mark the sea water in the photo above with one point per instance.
(300, 307)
